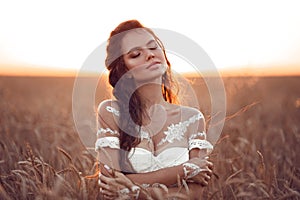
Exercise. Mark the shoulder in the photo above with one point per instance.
(193, 117)
(107, 110)
(189, 112)
(108, 106)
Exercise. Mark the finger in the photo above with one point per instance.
(101, 195)
(123, 180)
(203, 177)
(107, 197)
(208, 163)
(118, 176)
(206, 170)
(109, 193)
(113, 183)
(104, 186)
(105, 179)
(207, 177)
(204, 183)
(109, 170)
(211, 167)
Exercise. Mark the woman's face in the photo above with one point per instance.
(143, 56)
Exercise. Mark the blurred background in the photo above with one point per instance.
(54, 37)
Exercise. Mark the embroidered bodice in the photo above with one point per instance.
(172, 149)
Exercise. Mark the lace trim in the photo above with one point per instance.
(200, 144)
(190, 170)
(113, 110)
(199, 134)
(176, 132)
(145, 185)
(107, 130)
(112, 142)
(145, 135)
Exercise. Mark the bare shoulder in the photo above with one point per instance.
(107, 105)
(190, 111)
(108, 110)
(193, 115)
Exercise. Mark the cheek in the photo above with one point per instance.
(161, 56)
(132, 63)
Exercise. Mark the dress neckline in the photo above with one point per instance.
(171, 133)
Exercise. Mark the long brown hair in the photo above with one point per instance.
(127, 99)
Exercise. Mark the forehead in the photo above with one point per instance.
(136, 38)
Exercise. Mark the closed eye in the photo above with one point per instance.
(152, 45)
(134, 54)
(153, 48)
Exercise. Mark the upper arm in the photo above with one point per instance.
(107, 114)
(108, 144)
(197, 142)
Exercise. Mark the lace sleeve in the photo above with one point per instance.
(107, 144)
(197, 137)
(107, 134)
(111, 142)
(107, 138)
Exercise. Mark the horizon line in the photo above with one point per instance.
(275, 70)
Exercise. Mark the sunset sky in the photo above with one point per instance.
(57, 36)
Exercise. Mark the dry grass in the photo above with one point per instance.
(257, 156)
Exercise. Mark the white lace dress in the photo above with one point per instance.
(172, 148)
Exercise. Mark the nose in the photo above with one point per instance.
(149, 55)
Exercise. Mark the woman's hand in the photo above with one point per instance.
(198, 170)
(116, 185)
(109, 187)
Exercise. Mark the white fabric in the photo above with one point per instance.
(174, 131)
(143, 160)
(112, 142)
(113, 110)
(177, 131)
(107, 130)
(199, 134)
(200, 144)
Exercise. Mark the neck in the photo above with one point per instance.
(151, 94)
(156, 105)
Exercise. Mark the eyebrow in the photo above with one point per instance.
(134, 48)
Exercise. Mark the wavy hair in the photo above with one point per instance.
(128, 99)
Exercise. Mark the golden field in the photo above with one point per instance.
(256, 157)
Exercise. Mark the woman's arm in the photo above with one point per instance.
(168, 176)
(173, 175)
(108, 150)
(121, 186)
(199, 149)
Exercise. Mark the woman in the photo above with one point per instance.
(149, 145)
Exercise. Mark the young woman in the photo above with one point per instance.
(148, 145)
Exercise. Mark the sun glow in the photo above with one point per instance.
(248, 36)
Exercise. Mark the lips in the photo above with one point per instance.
(153, 63)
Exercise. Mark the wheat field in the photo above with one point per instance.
(256, 157)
